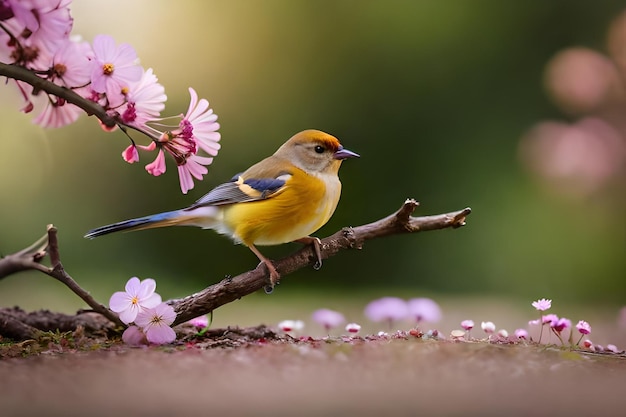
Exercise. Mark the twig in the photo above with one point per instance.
(231, 289)
(31, 257)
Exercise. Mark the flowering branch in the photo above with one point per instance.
(233, 288)
(20, 73)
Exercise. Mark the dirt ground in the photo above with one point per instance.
(316, 378)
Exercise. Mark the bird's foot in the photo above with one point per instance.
(317, 247)
(274, 276)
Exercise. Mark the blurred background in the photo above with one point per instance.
(515, 109)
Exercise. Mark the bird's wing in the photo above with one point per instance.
(240, 190)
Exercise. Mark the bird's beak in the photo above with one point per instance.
(343, 153)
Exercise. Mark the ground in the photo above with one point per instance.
(258, 372)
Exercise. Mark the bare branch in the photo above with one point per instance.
(231, 289)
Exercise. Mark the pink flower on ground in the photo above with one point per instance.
(467, 324)
(200, 322)
(503, 333)
(561, 324)
(424, 309)
(155, 323)
(612, 348)
(114, 69)
(387, 309)
(134, 336)
(488, 327)
(329, 319)
(353, 328)
(583, 327)
(589, 345)
(291, 325)
(521, 334)
(139, 295)
(542, 304)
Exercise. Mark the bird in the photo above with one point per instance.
(284, 198)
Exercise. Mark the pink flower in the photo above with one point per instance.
(424, 309)
(71, 64)
(155, 323)
(549, 319)
(194, 167)
(146, 100)
(57, 113)
(387, 309)
(353, 328)
(134, 336)
(203, 123)
(467, 324)
(200, 322)
(130, 154)
(542, 304)
(328, 318)
(488, 327)
(114, 69)
(291, 325)
(139, 295)
(157, 167)
(561, 324)
(521, 334)
(583, 327)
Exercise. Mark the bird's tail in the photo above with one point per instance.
(200, 218)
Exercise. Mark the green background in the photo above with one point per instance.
(435, 96)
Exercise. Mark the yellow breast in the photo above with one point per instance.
(302, 207)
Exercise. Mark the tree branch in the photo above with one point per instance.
(20, 73)
(231, 289)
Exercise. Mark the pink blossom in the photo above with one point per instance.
(583, 327)
(561, 324)
(139, 295)
(424, 309)
(612, 348)
(328, 318)
(387, 309)
(291, 325)
(71, 64)
(488, 327)
(155, 323)
(134, 336)
(200, 322)
(203, 122)
(157, 167)
(521, 334)
(57, 113)
(54, 26)
(353, 328)
(542, 304)
(130, 154)
(549, 319)
(114, 69)
(194, 167)
(467, 324)
(146, 100)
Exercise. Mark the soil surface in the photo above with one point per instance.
(258, 372)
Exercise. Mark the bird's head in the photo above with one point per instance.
(315, 151)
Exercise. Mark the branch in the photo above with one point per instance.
(231, 289)
(31, 257)
(40, 84)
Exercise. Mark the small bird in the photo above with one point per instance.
(284, 198)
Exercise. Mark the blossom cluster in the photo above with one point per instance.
(142, 308)
(35, 35)
(391, 310)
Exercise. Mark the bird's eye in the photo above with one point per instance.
(319, 149)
